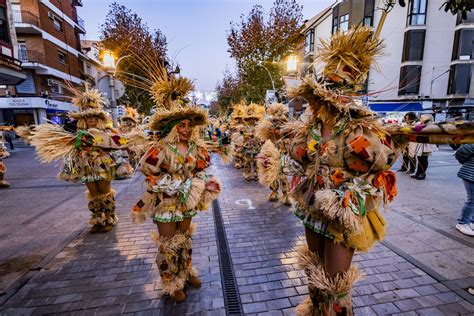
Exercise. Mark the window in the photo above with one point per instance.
(22, 52)
(4, 36)
(463, 40)
(468, 20)
(344, 23)
(62, 58)
(459, 79)
(335, 24)
(409, 80)
(369, 6)
(417, 12)
(368, 21)
(413, 45)
(56, 87)
(58, 24)
(309, 42)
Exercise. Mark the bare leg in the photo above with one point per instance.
(315, 242)
(337, 258)
(93, 188)
(103, 186)
(184, 225)
(167, 230)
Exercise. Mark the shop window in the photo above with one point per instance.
(309, 42)
(62, 58)
(409, 80)
(413, 45)
(58, 24)
(463, 40)
(4, 35)
(459, 79)
(417, 12)
(344, 23)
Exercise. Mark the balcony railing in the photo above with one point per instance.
(81, 23)
(30, 56)
(25, 17)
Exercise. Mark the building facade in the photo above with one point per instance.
(428, 53)
(48, 45)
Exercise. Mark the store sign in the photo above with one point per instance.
(19, 102)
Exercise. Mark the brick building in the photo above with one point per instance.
(49, 47)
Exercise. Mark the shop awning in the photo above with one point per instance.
(397, 107)
(10, 76)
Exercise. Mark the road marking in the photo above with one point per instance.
(245, 202)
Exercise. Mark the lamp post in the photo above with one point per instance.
(271, 78)
(108, 60)
(292, 64)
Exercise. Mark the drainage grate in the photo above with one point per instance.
(231, 292)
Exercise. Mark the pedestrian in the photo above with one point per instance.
(423, 151)
(3, 169)
(409, 153)
(9, 139)
(177, 184)
(85, 154)
(465, 155)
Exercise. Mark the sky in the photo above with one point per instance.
(195, 29)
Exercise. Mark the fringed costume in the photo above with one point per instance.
(86, 155)
(126, 160)
(343, 156)
(237, 131)
(177, 185)
(270, 131)
(3, 154)
(251, 143)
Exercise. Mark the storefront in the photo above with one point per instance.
(33, 110)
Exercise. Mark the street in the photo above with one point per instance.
(50, 263)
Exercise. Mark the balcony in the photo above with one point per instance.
(30, 58)
(26, 22)
(81, 24)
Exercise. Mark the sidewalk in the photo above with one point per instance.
(116, 273)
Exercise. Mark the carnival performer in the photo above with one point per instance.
(177, 184)
(3, 154)
(237, 128)
(251, 143)
(85, 155)
(270, 131)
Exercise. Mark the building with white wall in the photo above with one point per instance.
(428, 53)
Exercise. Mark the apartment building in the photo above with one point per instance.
(49, 48)
(428, 53)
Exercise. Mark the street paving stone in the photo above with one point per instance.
(115, 273)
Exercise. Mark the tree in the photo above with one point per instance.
(260, 41)
(229, 90)
(124, 33)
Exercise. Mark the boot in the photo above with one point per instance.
(170, 262)
(3, 169)
(329, 296)
(97, 216)
(285, 199)
(108, 208)
(191, 272)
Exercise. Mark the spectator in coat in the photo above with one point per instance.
(465, 155)
(423, 151)
(409, 154)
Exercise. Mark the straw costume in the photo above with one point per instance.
(3, 154)
(269, 131)
(251, 143)
(85, 155)
(237, 130)
(177, 185)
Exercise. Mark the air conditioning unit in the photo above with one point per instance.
(50, 82)
(50, 15)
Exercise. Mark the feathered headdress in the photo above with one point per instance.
(169, 93)
(130, 114)
(90, 102)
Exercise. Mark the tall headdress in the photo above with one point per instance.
(169, 93)
(90, 102)
(130, 114)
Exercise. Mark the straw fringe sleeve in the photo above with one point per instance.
(268, 164)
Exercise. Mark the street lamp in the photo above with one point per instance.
(292, 64)
(108, 61)
(271, 78)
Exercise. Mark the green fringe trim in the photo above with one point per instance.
(158, 219)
